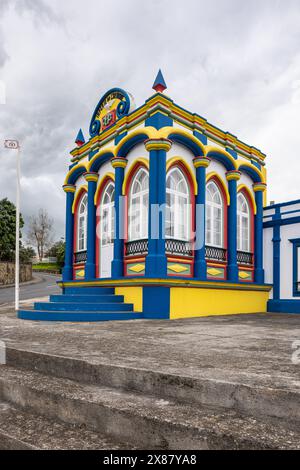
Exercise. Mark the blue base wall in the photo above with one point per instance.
(284, 306)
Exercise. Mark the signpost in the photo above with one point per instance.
(14, 145)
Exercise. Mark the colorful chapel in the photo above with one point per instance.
(164, 214)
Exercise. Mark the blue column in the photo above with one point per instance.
(119, 165)
(276, 255)
(67, 274)
(90, 266)
(200, 163)
(259, 275)
(232, 267)
(156, 260)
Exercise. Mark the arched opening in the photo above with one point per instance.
(107, 229)
(215, 226)
(138, 206)
(178, 211)
(81, 235)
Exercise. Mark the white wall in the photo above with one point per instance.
(286, 259)
(268, 256)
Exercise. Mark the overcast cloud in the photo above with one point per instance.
(235, 63)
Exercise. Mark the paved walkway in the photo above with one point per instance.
(248, 349)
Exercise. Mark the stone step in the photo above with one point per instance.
(89, 290)
(142, 420)
(77, 316)
(83, 307)
(20, 430)
(228, 391)
(105, 298)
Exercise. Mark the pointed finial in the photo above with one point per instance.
(80, 140)
(159, 84)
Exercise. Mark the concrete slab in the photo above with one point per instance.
(250, 349)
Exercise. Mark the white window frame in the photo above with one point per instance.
(107, 236)
(81, 241)
(178, 210)
(214, 207)
(137, 210)
(240, 217)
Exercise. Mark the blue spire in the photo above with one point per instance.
(80, 140)
(159, 84)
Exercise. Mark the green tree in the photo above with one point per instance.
(8, 229)
(26, 254)
(57, 250)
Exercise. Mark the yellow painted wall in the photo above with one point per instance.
(195, 302)
(132, 295)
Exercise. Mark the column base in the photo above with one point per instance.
(259, 276)
(156, 266)
(233, 273)
(200, 270)
(117, 269)
(67, 273)
(90, 271)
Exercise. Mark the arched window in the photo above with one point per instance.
(138, 206)
(243, 224)
(82, 223)
(107, 215)
(178, 214)
(214, 216)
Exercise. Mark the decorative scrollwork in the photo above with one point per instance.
(136, 247)
(80, 257)
(244, 257)
(179, 247)
(215, 253)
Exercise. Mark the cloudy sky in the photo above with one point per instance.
(234, 62)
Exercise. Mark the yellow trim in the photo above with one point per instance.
(151, 132)
(158, 144)
(212, 148)
(259, 187)
(98, 155)
(166, 131)
(224, 186)
(78, 195)
(91, 177)
(107, 175)
(145, 161)
(173, 160)
(141, 281)
(69, 188)
(186, 303)
(73, 169)
(248, 165)
(243, 186)
(118, 162)
(132, 295)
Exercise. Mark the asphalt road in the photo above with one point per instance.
(47, 286)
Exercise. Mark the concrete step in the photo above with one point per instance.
(143, 420)
(106, 298)
(228, 391)
(83, 307)
(77, 316)
(89, 290)
(20, 430)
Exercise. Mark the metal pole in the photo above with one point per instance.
(17, 261)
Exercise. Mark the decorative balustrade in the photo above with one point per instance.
(244, 257)
(178, 247)
(136, 247)
(215, 253)
(80, 257)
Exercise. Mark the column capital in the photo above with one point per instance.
(233, 175)
(201, 162)
(259, 187)
(158, 144)
(91, 176)
(69, 188)
(118, 162)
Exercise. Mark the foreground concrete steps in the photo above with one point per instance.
(20, 430)
(143, 420)
(227, 392)
(83, 307)
(78, 316)
(105, 298)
